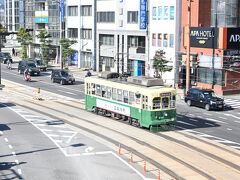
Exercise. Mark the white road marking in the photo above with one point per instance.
(209, 124)
(67, 92)
(30, 115)
(39, 124)
(6, 139)
(13, 153)
(200, 117)
(65, 136)
(229, 129)
(236, 147)
(191, 119)
(222, 118)
(237, 121)
(38, 120)
(57, 141)
(207, 114)
(1, 133)
(214, 120)
(62, 131)
(10, 146)
(48, 130)
(187, 123)
(88, 149)
(20, 171)
(231, 115)
(16, 161)
(53, 135)
(69, 140)
(190, 114)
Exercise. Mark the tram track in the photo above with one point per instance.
(157, 164)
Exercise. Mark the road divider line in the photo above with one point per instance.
(214, 120)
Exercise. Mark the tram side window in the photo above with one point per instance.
(125, 96)
(98, 90)
(93, 88)
(131, 98)
(165, 102)
(119, 95)
(109, 93)
(173, 101)
(104, 93)
(114, 94)
(156, 103)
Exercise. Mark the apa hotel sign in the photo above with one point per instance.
(203, 37)
(233, 38)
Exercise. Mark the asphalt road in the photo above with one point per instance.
(220, 126)
(37, 147)
(44, 82)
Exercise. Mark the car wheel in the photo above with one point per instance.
(62, 82)
(189, 102)
(207, 107)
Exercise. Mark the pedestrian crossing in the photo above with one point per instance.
(233, 103)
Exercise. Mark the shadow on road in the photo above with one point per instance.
(7, 172)
(4, 127)
(4, 105)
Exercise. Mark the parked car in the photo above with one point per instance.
(204, 98)
(24, 64)
(40, 64)
(5, 57)
(62, 77)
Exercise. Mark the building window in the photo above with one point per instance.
(160, 12)
(72, 11)
(107, 40)
(86, 10)
(171, 40)
(106, 17)
(172, 12)
(165, 40)
(153, 39)
(73, 32)
(132, 17)
(86, 33)
(159, 40)
(154, 13)
(165, 15)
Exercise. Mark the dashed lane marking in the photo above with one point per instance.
(16, 161)
(10, 146)
(214, 120)
(13, 153)
(6, 139)
(229, 129)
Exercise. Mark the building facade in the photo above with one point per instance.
(11, 9)
(215, 56)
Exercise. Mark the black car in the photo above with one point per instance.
(26, 64)
(5, 57)
(204, 98)
(62, 77)
(39, 63)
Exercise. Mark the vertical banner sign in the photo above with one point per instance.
(61, 9)
(62, 18)
(21, 13)
(143, 14)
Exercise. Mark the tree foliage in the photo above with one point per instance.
(2, 29)
(24, 38)
(66, 49)
(160, 63)
(43, 37)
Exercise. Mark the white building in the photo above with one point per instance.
(164, 33)
(80, 26)
(11, 9)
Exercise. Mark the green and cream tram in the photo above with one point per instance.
(146, 102)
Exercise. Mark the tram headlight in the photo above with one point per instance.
(165, 114)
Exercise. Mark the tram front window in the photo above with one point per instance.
(165, 102)
(156, 103)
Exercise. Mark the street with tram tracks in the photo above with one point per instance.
(179, 154)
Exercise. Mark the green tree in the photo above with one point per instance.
(66, 50)
(160, 63)
(2, 29)
(44, 36)
(25, 39)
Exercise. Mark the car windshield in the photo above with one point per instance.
(209, 94)
(64, 73)
(39, 62)
(31, 65)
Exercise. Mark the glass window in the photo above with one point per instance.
(114, 94)
(86, 10)
(156, 103)
(98, 90)
(131, 98)
(160, 12)
(172, 12)
(107, 39)
(72, 32)
(165, 15)
(165, 102)
(119, 95)
(104, 93)
(171, 40)
(93, 88)
(72, 10)
(160, 40)
(86, 33)
(132, 17)
(109, 93)
(106, 17)
(153, 39)
(125, 96)
(165, 40)
(154, 13)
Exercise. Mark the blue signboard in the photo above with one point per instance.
(137, 68)
(143, 14)
(41, 20)
(74, 58)
(61, 9)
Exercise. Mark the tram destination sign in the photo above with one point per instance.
(203, 37)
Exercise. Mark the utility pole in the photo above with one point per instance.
(188, 48)
(60, 35)
(213, 53)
